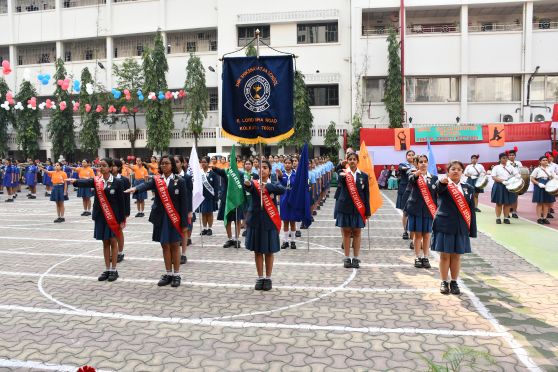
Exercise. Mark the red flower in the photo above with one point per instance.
(86, 369)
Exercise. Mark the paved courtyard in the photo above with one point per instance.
(387, 315)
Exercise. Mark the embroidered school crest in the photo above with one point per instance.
(257, 91)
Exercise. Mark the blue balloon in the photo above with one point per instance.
(161, 96)
(116, 93)
(77, 86)
(140, 97)
(40, 77)
(44, 79)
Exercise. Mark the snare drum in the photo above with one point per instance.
(481, 182)
(525, 174)
(552, 187)
(515, 184)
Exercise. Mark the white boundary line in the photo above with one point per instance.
(14, 363)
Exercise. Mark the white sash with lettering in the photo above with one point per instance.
(206, 184)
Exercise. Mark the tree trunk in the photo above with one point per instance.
(133, 136)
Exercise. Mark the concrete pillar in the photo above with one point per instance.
(108, 67)
(464, 83)
(527, 64)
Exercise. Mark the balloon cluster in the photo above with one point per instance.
(64, 84)
(44, 78)
(6, 69)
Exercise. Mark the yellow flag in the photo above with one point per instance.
(365, 165)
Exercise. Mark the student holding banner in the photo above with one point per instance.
(504, 199)
(454, 223)
(420, 209)
(170, 215)
(263, 224)
(403, 182)
(352, 208)
(109, 214)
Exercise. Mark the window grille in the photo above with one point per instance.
(4, 54)
(78, 3)
(191, 42)
(3, 6)
(33, 5)
(311, 33)
(85, 50)
(324, 95)
(248, 33)
(132, 46)
(36, 54)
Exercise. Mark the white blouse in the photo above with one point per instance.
(474, 171)
(504, 173)
(538, 172)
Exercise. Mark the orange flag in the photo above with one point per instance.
(496, 135)
(365, 165)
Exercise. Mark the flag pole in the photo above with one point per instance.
(201, 229)
(260, 143)
(308, 236)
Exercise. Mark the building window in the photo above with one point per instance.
(494, 88)
(544, 88)
(374, 89)
(68, 56)
(85, 50)
(432, 89)
(324, 95)
(313, 33)
(248, 33)
(36, 54)
(192, 42)
(191, 47)
(213, 99)
(132, 46)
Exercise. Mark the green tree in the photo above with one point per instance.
(7, 118)
(303, 117)
(158, 114)
(331, 142)
(197, 99)
(130, 75)
(393, 98)
(89, 133)
(27, 122)
(251, 51)
(353, 140)
(61, 125)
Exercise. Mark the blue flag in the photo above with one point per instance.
(432, 168)
(299, 197)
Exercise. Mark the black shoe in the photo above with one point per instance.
(259, 284)
(237, 244)
(477, 210)
(58, 220)
(9, 200)
(498, 221)
(540, 221)
(426, 263)
(285, 245)
(209, 232)
(347, 264)
(418, 262)
(266, 285)
(138, 214)
(355, 263)
(412, 246)
(175, 281)
(32, 197)
(545, 221)
(303, 227)
(104, 276)
(120, 257)
(405, 235)
(293, 245)
(507, 221)
(229, 243)
(514, 215)
(84, 213)
(47, 194)
(549, 215)
(454, 288)
(314, 213)
(183, 259)
(298, 234)
(203, 232)
(112, 276)
(551, 210)
(166, 279)
(62, 219)
(189, 242)
(142, 214)
(244, 233)
(444, 288)
(88, 213)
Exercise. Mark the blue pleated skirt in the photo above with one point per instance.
(419, 224)
(262, 241)
(540, 195)
(85, 192)
(472, 182)
(102, 230)
(450, 243)
(402, 197)
(501, 195)
(285, 210)
(139, 195)
(57, 193)
(165, 233)
(207, 206)
(353, 221)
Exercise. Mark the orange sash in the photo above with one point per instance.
(269, 205)
(106, 208)
(461, 203)
(426, 196)
(173, 215)
(359, 205)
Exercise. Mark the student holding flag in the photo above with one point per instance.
(194, 169)
(299, 199)
(170, 214)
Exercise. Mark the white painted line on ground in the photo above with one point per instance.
(14, 363)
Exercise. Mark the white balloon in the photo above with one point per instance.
(89, 88)
(6, 106)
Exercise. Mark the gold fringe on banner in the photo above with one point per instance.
(253, 141)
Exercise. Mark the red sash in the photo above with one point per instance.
(426, 196)
(163, 191)
(461, 203)
(269, 205)
(359, 205)
(105, 207)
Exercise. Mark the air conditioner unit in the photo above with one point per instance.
(541, 117)
(509, 118)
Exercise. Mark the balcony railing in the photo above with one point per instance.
(377, 30)
(545, 25)
(78, 3)
(493, 27)
(433, 29)
(33, 5)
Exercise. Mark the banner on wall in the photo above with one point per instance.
(402, 139)
(496, 135)
(258, 98)
(452, 133)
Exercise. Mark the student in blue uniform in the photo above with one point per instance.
(31, 179)
(287, 179)
(235, 215)
(117, 173)
(262, 235)
(113, 188)
(47, 181)
(348, 217)
(182, 166)
(419, 221)
(504, 199)
(540, 176)
(249, 173)
(164, 231)
(210, 196)
(10, 180)
(403, 182)
(451, 232)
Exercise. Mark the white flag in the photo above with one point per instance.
(195, 171)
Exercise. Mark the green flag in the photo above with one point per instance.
(235, 193)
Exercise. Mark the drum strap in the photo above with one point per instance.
(507, 170)
(545, 172)
(476, 170)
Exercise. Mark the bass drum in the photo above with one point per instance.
(552, 187)
(524, 173)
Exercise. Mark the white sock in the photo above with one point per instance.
(297, 224)
(285, 236)
(176, 274)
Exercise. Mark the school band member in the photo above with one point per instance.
(85, 172)
(235, 215)
(182, 166)
(59, 189)
(515, 164)
(263, 224)
(551, 155)
(31, 178)
(170, 214)
(47, 181)
(352, 208)
(454, 223)
(420, 209)
(504, 199)
(117, 172)
(210, 196)
(141, 175)
(287, 179)
(10, 180)
(473, 171)
(540, 176)
(403, 183)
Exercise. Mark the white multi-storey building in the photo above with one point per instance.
(466, 59)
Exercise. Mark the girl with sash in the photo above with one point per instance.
(454, 223)
(515, 164)
(263, 224)
(85, 172)
(59, 189)
(473, 171)
(235, 215)
(141, 175)
(210, 196)
(249, 173)
(47, 181)
(420, 209)
(403, 182)
(109, 214)
(170, 214)
(31, 179)
(352, 208)
(540, 176)
(504, 199)
(10, 180)
(117, 172)
(289, 224)
(182, 166)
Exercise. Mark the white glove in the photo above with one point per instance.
(506, 182)
(542, 185)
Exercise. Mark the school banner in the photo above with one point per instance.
(402, 139)
(454, 133)
(496, 135)
(258, 98)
